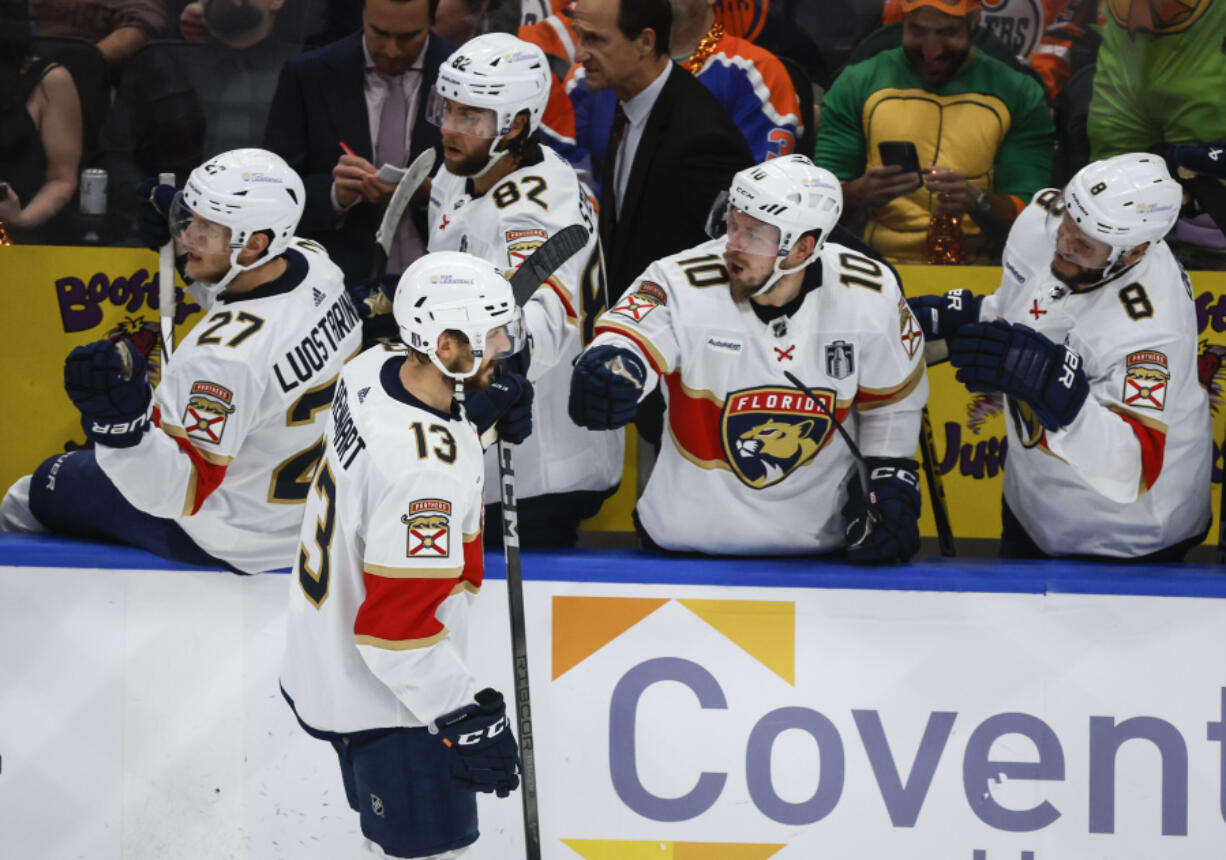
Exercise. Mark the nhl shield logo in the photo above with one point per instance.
(840, 360)
(769, 432)
(429, 522)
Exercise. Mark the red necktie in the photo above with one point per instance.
(616, 133)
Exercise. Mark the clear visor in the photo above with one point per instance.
(454, 118)
(502, 341)
(1074, 245)
(194, 233)
(748, 235)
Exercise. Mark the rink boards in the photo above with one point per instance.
(687, 709)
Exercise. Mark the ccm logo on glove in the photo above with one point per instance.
(490, 732)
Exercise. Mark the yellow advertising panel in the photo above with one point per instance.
(56, 298)
(969, 430)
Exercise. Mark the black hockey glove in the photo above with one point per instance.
(941, 316)
(605, 386)
(895, 536)
(106, 381)
(507, 403)
(153, 213)
(373, 299)
(1022, 363)
(486, 754)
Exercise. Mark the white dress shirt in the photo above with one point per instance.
(637, 110)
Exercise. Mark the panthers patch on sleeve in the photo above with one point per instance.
(1146, 380)
(908, 329)
(643, 301)
(521, 244)
(208, 407)
(429, 528)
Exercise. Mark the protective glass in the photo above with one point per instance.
(196, 234)
(454, 118)
(748, 235)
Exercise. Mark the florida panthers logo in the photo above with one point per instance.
(767, 433)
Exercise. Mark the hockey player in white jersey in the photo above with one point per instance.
(389, 565)
(213, 466)
(499, 195)
(749, 465)
(1091, 337)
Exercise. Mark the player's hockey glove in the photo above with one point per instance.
(941, 316)
(895, 535)
(106, 381)
(605, 386)
(373, 299)
(153, 213)
(486, 754)
(1022, 363)
(507, 403)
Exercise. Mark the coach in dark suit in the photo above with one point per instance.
(673, 148)
(343, 92)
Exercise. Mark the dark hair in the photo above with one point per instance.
(635, 16)
(432, 6)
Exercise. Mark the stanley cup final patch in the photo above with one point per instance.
(208, 407)
(1146, 380)
(840, 359)
(429, 524)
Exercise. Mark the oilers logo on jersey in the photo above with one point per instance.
(769, 432)
(208, 406)
(429, 524)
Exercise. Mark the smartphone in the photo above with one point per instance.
(902, 153)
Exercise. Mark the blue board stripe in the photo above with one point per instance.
(632, 566)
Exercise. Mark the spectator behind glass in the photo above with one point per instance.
(40, 131)
(750, 82)
(235, 74)
(983, 132)
(1043, 35)
(119, 27)
(301, 18)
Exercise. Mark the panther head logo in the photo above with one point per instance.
(767, 433)
(780, 446)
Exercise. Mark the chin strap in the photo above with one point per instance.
(779, 271)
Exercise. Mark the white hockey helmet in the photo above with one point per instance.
(454, 291)
(498, 72)
(791, 194)
(229, 199)
(1124, 201)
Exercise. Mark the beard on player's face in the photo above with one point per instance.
(746, 273)
(462, 160)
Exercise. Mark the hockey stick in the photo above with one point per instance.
(410, 181)
(873, 515)
(1221, 525)
(555, 251)
(166, 286)
(936, 490)
(546, 260)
